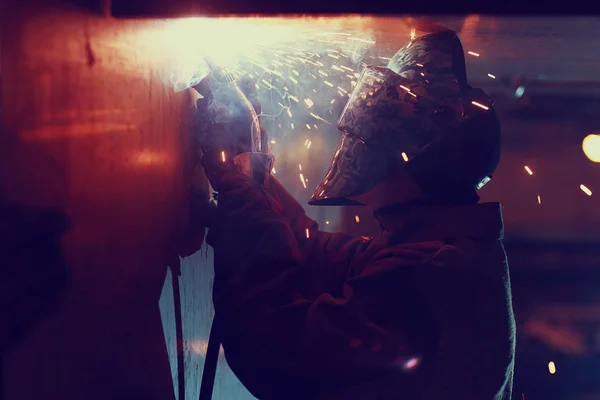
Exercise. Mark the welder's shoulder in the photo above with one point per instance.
(408, 254)
(462, 253)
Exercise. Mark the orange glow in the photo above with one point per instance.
(74, 130)
(148, 157)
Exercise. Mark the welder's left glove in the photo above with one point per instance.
(218, 126)
(223, 133)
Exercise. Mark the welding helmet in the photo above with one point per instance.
(419, 112)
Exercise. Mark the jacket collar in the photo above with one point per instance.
(418, 221)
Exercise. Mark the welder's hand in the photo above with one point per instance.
(218, 125)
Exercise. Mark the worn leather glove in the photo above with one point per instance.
(219, 125)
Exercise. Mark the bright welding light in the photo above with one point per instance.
(591, 147)
(182, 45)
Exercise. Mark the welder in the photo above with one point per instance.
(424, 310)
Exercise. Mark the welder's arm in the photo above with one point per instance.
(273, 333)
(313, 246)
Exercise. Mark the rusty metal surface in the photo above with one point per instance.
(79, 136)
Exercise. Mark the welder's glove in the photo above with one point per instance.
(218, 126)
(33, 272)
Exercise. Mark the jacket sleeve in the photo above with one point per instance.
(277, 336)
(241, 200)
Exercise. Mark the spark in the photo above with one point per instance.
(293, 80)
(419, 65)
(307, 233)
(337, 68)
(289, 113)
(480, 105)
(292, 125)
(357, 219)
(404, 156)
(309, 143)
(328, 83)
(309, 102)
(308, 126)
(529, 171)
(492, 76)
(322, 73)
(327, 222)
(273, 170)
(552, 367)
(300, 167)
(295, 72)
(473, 53)
(273, 141)
(303, 180)
(413, 34)
(539, 199)
(405, 88)
(294, 98)
(585, 189)
(319, 118)
(223, 156)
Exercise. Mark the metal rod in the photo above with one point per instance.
(178, 334)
